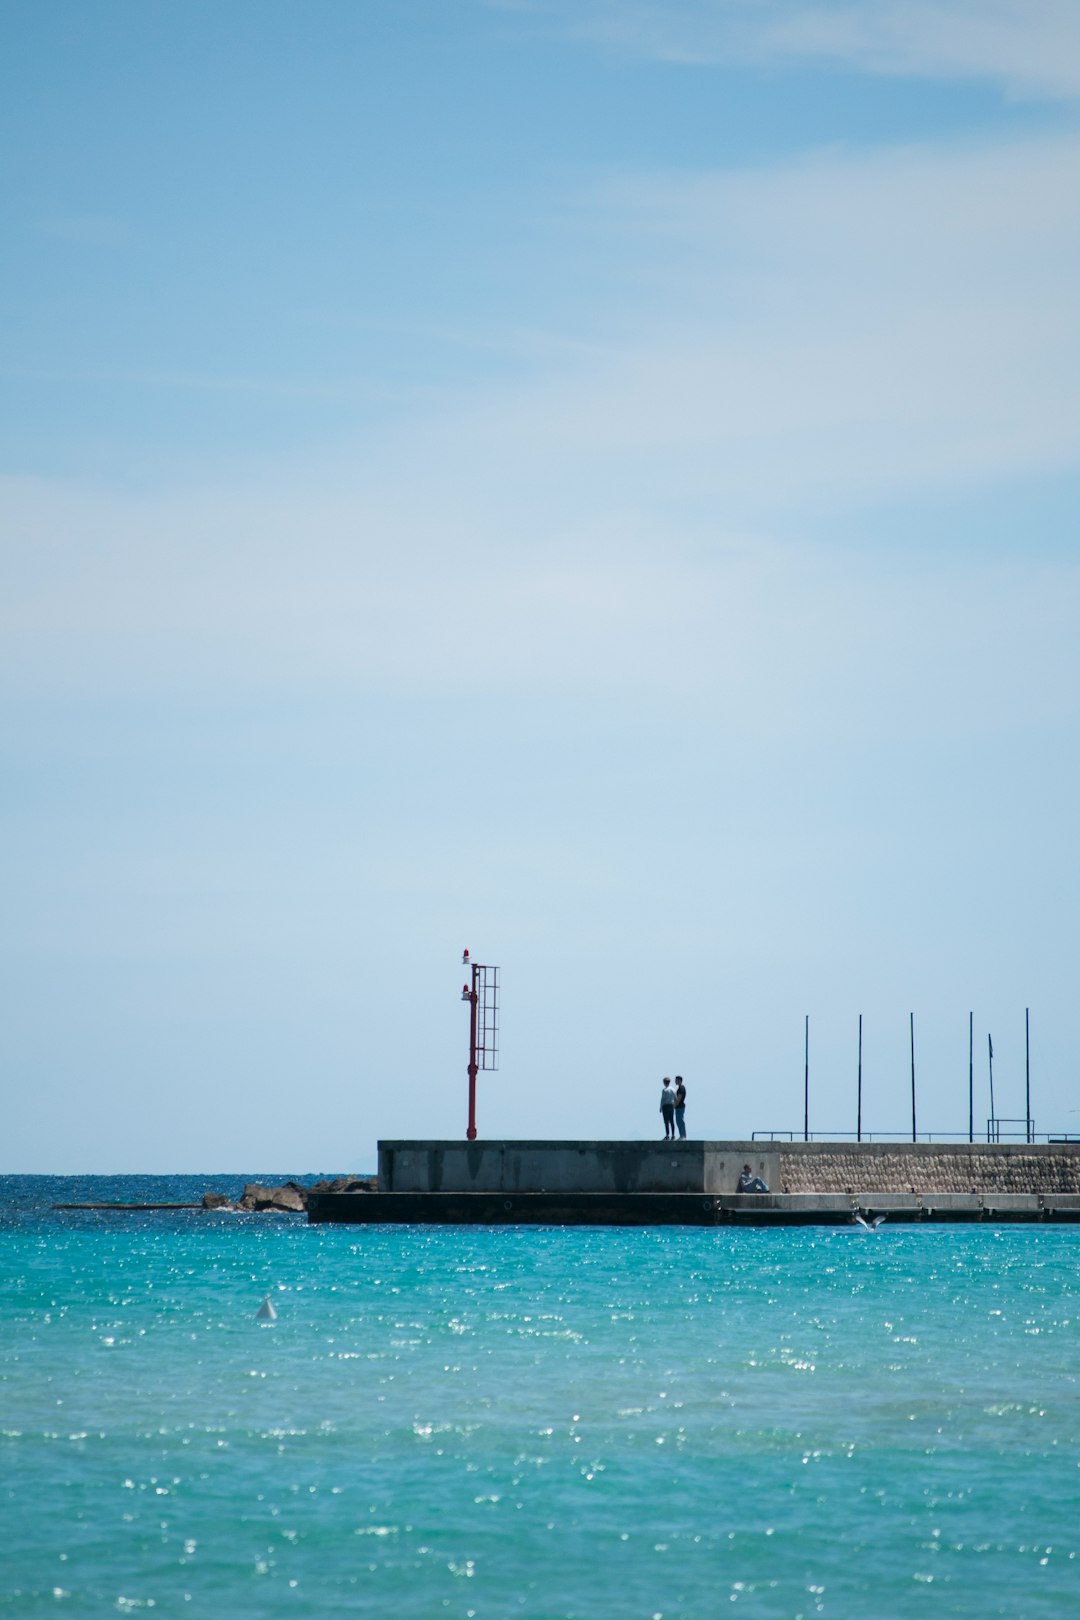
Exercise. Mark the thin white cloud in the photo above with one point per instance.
(1032, 47)
(832, 335)
(254, 592)
(842, 329)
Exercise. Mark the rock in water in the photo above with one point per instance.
(288, 1199)
(349, 1184)
(291, 1198)
(266, 1311)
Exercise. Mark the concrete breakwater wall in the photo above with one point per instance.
(713, 1167)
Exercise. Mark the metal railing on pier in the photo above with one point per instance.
(995, 1132)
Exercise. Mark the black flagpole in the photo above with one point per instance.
(858, 1121)
(971, 1077)
(1027, 1067)
(914, 1136)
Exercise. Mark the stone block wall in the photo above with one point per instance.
(928, 1167)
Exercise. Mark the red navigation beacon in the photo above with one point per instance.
(483, 998)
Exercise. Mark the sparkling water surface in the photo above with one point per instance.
(546, 1422)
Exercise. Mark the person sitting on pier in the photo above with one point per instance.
(748, 1182)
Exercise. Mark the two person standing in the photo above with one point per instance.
(673, 1108)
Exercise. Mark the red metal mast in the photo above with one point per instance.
(483, 998)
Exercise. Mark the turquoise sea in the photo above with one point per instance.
(548, 1423)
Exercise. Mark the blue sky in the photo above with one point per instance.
(595, 483)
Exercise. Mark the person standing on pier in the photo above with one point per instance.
(680, 1106)
(667, 1108)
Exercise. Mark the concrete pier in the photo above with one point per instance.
(693, 1183)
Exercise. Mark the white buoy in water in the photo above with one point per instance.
(266, 1311)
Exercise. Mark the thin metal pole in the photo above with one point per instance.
(858, 1123)
(991, 1133)
(473, 999)
(913, 1132)
(806, 1081)
(1027, 1067)
(971, 1077)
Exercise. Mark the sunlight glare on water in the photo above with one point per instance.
(553, 1422)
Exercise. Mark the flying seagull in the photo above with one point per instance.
(867, 1226)
(266, 1311)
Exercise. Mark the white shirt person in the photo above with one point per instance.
(667, 1108)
